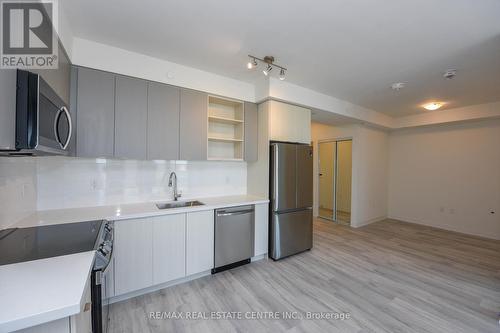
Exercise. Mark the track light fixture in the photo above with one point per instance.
(269, 61)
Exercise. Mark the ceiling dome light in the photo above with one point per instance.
(398, 86)
(267, 70)
(282, 74)
(432, 106)
(450, 74)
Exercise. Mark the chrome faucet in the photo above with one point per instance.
(172, 181)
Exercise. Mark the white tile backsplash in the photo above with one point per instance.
(17, 189)
(62, 182)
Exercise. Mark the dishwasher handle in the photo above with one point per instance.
(233, 213)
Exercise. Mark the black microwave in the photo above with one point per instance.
(43, 121)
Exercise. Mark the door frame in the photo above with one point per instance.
(336, 140)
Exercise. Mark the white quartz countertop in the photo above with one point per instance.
(130, 211)
(40, 291)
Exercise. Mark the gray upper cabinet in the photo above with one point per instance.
(95, 113)
(7, 109)
(131, 103)
(124, 117)
(251, 132)
(193, 125)
(163, 122)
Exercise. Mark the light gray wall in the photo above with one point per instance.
(447, 177)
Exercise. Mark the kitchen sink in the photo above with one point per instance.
(179, 204)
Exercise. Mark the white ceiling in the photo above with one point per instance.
(352, 50)
(329, 118)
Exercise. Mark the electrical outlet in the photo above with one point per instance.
(441, 209)
(452, 210)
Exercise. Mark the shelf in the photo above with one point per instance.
(225, 120)
(212, 138)
(226, 126)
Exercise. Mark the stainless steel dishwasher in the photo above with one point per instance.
(234, 237)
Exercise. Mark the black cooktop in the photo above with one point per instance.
(25, 244)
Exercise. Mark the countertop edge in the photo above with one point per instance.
(41, 318)
(130, 211)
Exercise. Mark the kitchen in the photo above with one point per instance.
(143, 188)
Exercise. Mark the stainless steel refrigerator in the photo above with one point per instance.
(291, 193)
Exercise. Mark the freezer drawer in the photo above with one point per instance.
(234, 235)
(290, 233)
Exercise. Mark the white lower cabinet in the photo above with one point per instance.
(82, 322)
(169, 247)
(56, 326)
(261, 229)
(133, 255)
(199, 242)
(156, 250)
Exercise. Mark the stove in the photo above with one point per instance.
(25, 244)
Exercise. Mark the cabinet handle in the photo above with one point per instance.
(87, 307)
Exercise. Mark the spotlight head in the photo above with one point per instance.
(267, 70)
(252, 63)
(282, 74)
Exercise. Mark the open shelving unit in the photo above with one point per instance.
(226, 126)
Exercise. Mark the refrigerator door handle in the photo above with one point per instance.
(275, 176)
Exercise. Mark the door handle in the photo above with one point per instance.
(70, 127)
(241, 212)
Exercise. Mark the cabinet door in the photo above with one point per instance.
(289, 123)
(193, 125)
(251, 132)
(163, 122)
(82, 322)
(8, 85)
(62, 325)
(95, 113)
(199, 242)
(169, 248)
(261, 229)
(131, 118)
(133, 255)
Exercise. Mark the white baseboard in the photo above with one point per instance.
(157, 287)
(370, 221)
(446, 227)
(259, 257)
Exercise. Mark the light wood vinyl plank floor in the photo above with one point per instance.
(390, 276)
